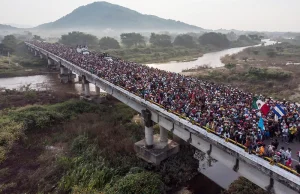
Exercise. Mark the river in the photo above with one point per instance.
(211, 59)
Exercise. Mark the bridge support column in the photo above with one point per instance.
(35, 53)
(64, 77)
(163, 133)
(49, 61)
(41, 55)
(79, 78)
(154, 148)
(86, 87)
(149, 137)
(71, 76)
(97, 90)
(87, 90)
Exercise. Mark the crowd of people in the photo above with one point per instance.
(227, 110)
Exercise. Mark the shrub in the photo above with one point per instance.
(265, 74)
(244, 186)
(271, 53)
(9, 132)
(230, 66)
(86, 170)
(143, 182)
(79, 144)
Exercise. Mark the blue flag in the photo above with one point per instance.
(261, 125)
(278, 111)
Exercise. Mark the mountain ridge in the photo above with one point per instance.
(104, 15)
(7, 27)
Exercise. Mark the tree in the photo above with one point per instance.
(109, 43)
(244, 38)
(9, 43)
(36, 37)
(184, 40)
(130, 39)
(78, 38)
(255, 37)
(162, 40)
(231, 36)
(216, 39)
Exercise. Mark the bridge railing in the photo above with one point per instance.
(188, 120)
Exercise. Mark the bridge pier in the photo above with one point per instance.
(86, 87)
(49, 61)
(41, 55)
(35, 53)
(97, 90)
(66, 75)
(154, 148)
(163, 133)
(71, 76)
(64, 78)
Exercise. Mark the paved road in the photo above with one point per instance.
(295, 146)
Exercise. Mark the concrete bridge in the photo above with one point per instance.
(155, 148)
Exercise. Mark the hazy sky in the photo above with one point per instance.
(262, 15)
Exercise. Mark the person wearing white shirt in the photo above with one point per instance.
(288, 153)
(285, 132)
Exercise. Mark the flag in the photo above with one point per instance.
(279, 111)
(258, 104)
(261, 125)
(276, 118)
(265, 109)
(254, 105)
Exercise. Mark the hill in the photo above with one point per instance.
(7, 27)
(104, 15)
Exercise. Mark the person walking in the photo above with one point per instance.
(285, 132)
(292, 132)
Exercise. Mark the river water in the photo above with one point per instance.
(210, 59)
(217, 172)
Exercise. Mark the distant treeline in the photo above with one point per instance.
(133, 39)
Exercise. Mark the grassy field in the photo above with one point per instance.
(157, 54)
(21, 63)
(260, 70)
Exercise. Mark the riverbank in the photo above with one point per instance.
(21, 63)
(152, 54)
(262, 69)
